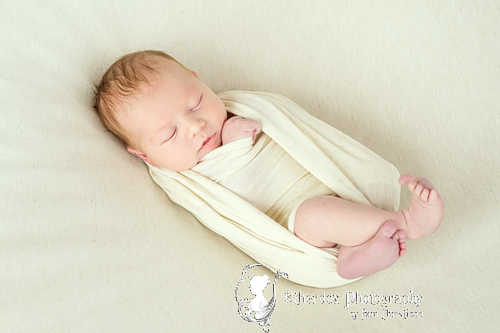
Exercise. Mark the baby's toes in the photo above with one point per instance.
(426, 183)
(402, 247)
(406, 179)
(412, 185)
(419, 188)
(400, 236)
(433, 195)
(402, 242)
(425, 195)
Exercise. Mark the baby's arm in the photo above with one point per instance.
(238, 128)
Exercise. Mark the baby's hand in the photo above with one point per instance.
(238, 128)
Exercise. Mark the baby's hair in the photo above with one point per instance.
(123, 80)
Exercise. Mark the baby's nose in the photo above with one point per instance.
(196, 125)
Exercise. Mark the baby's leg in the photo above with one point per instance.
(369, 241)
(326, 221)
(369, 237)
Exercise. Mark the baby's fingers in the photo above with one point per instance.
(255, 129)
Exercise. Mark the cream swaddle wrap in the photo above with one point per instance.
(263, 174)
(348, 168)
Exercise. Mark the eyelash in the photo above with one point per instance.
(198, 104)
(171, 136)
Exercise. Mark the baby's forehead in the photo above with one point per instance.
(158, 73)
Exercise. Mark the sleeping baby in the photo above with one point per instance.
(214, 154)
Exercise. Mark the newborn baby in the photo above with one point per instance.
(169, 118)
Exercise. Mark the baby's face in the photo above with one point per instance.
(176, 121)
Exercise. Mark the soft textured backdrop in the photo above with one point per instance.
(89, 244)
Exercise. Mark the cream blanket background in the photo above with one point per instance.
(88, 243)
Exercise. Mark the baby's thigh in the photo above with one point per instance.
(310, 221)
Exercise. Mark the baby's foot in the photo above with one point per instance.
(425, 213)
(379, 253)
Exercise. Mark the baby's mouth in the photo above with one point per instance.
(208, 142)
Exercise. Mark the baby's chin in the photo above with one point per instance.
(206, 151)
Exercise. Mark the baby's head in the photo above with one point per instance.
(160, 109)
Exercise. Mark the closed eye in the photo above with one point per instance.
(171, 136)
(197, 104)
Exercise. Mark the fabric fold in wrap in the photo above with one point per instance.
(348, 168)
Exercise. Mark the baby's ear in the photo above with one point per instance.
(140, 154)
